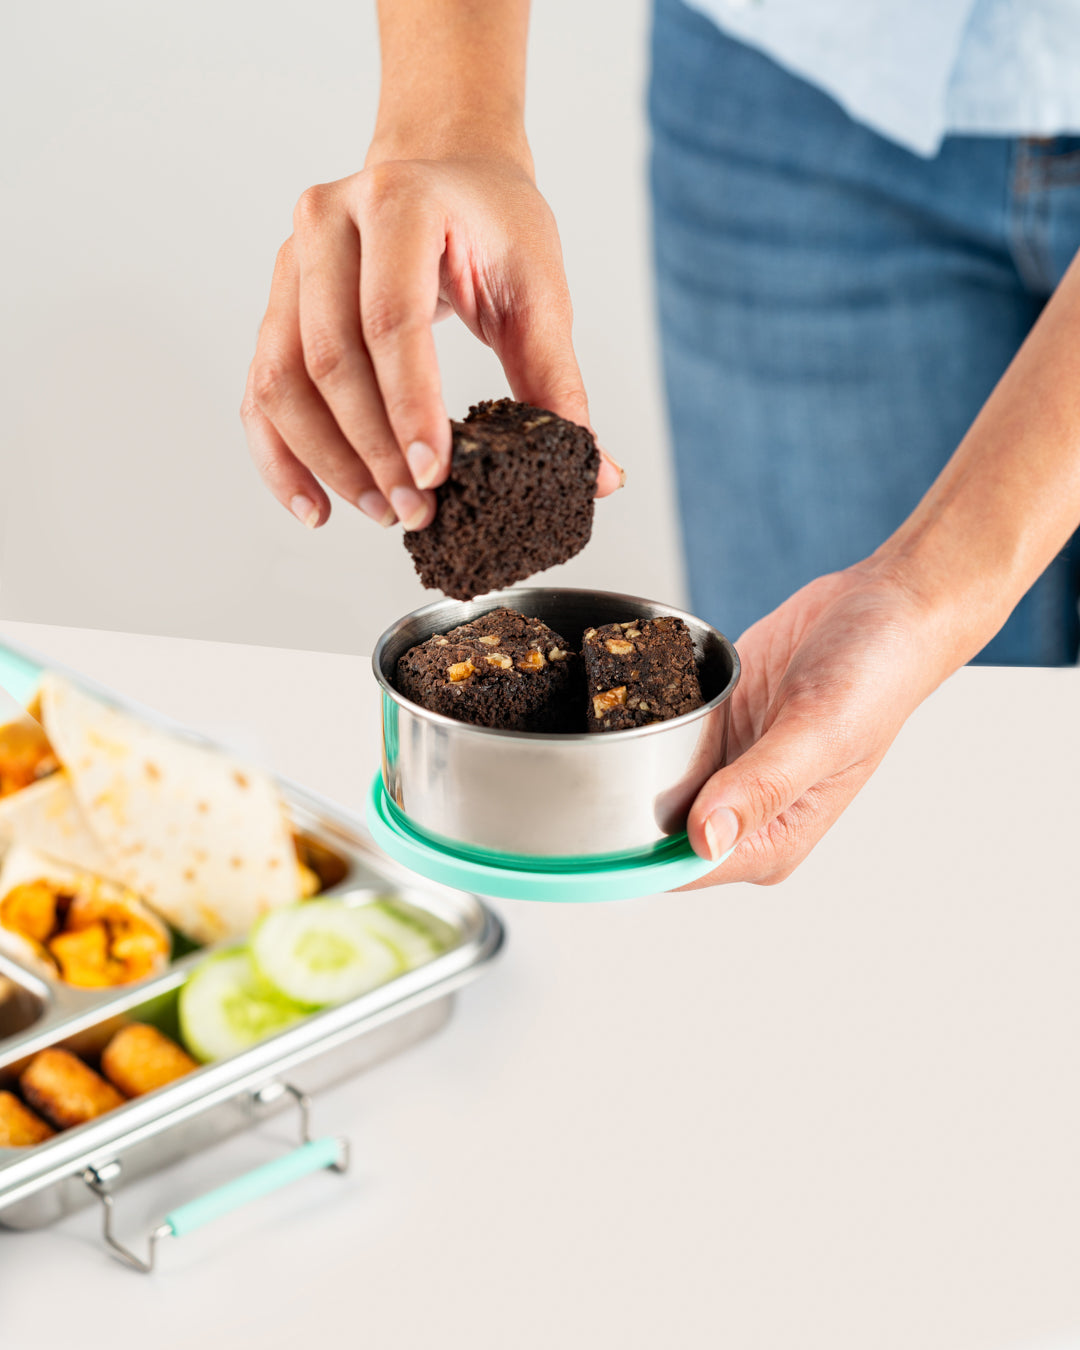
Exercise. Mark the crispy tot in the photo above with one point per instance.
(139, 1059)
(65, 1090)
(19, 1127)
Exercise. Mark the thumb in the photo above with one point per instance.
(764, 782)
(537, 354)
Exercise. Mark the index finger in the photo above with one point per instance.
(402, 245)
(338, 363)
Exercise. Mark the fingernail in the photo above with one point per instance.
(411, 507)
(423, 463)
(375, 505)
(615, 463)
(721, 832)
(305, 510)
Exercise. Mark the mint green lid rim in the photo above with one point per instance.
(19, 676)
(577, 881)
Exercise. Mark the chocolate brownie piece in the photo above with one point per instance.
(501, 670)
(519, 499)
(639, 672)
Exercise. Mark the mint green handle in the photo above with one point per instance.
(302, 1161)
(18, 675)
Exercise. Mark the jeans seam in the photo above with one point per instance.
(1057, 174)
(1028, 224)
(1045, 169)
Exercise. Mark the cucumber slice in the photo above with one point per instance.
(417, 936)
(225, 1006)
(321, 952)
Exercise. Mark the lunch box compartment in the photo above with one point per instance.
(20, 1006)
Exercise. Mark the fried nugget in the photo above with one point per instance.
(65, 1090)
(19, 1127)
(139, 1059)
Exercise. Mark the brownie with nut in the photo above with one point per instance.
(519, 499)
(501, 670)
(639, 672)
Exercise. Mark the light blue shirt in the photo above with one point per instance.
(915, 70)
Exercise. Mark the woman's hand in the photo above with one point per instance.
(832, 675)
(344, 389)
(828, 680)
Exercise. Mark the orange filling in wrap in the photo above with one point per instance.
(25, 756)
(95, 935)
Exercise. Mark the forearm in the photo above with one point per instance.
(1009, 498)
(453, 79)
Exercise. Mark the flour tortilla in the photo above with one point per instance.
(203, 839)
(46, 816)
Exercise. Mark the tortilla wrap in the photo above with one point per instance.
(46, 817)
(203, 839)
(93, 900)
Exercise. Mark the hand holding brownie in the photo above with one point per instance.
(445, 217)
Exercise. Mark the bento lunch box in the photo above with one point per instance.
(90, 1163)
(527, 815)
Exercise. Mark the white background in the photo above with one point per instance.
(152, 157)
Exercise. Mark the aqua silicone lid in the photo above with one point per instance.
(564, 880)
(18, 675)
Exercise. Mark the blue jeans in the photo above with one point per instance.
(833, 312)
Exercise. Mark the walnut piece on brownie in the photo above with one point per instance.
(639, 672)
(501, 670)
(519, 499)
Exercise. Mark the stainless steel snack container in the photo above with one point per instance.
(84, 1165)
(599, 795)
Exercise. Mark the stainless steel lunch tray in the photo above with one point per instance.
(43, 1182)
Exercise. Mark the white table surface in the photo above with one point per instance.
(841, 1112)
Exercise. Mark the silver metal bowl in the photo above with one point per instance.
(529, 794)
